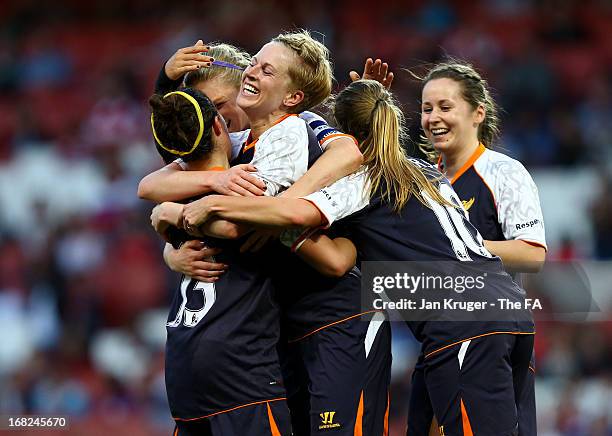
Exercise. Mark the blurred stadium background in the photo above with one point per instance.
(83, 291)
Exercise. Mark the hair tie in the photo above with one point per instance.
(227, 65)
(378, 101)
(200, 119)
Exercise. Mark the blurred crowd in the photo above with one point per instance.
(83, 290)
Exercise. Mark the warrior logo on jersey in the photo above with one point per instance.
(467, 203)
(327, 420)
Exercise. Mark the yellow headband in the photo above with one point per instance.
(200, 119)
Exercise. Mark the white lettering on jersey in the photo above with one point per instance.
(191, 317)
(453, 223)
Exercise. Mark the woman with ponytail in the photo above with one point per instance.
(402, 209)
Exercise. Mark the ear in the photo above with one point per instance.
(293, 98)
(479, 114)
(218, 125)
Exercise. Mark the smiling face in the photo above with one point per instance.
(223, 94)
(266, 87)
(450, 123)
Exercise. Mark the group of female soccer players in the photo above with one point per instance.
(276, 342)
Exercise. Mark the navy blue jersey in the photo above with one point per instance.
(221, 347)
(437, 233)
(308, 300)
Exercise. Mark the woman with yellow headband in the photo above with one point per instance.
(223, 374)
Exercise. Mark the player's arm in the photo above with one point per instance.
(517, 255)
(169, 214)
(331, 257)
(521, 221)
(341, 158)
(171, 183)
(321, 208)
(259, 211)
(184, 60)
(374, 70)
(193, 259)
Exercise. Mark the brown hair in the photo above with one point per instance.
(474, 90)
(366, 110)
(176, 124)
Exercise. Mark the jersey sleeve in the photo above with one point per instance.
(281, 155)
(335, 202)
(325, 133)
(342, 198)
(518, 205)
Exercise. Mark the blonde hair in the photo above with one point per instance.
(366, 110)
(313, 73)
(474, 90)
(225, 53)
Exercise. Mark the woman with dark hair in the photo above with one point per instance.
(222, 368)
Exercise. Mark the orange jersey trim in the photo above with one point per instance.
(330, 324)
(489, 188)
(358, 431)
(230, 410)
(284, 117)
(249, 145)
(386, 419)
(466, 166)
(216, 169)
(337, 135)
(273, 426)
(476, 337)
(252, 143)
(533, 243)
(465, 420)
